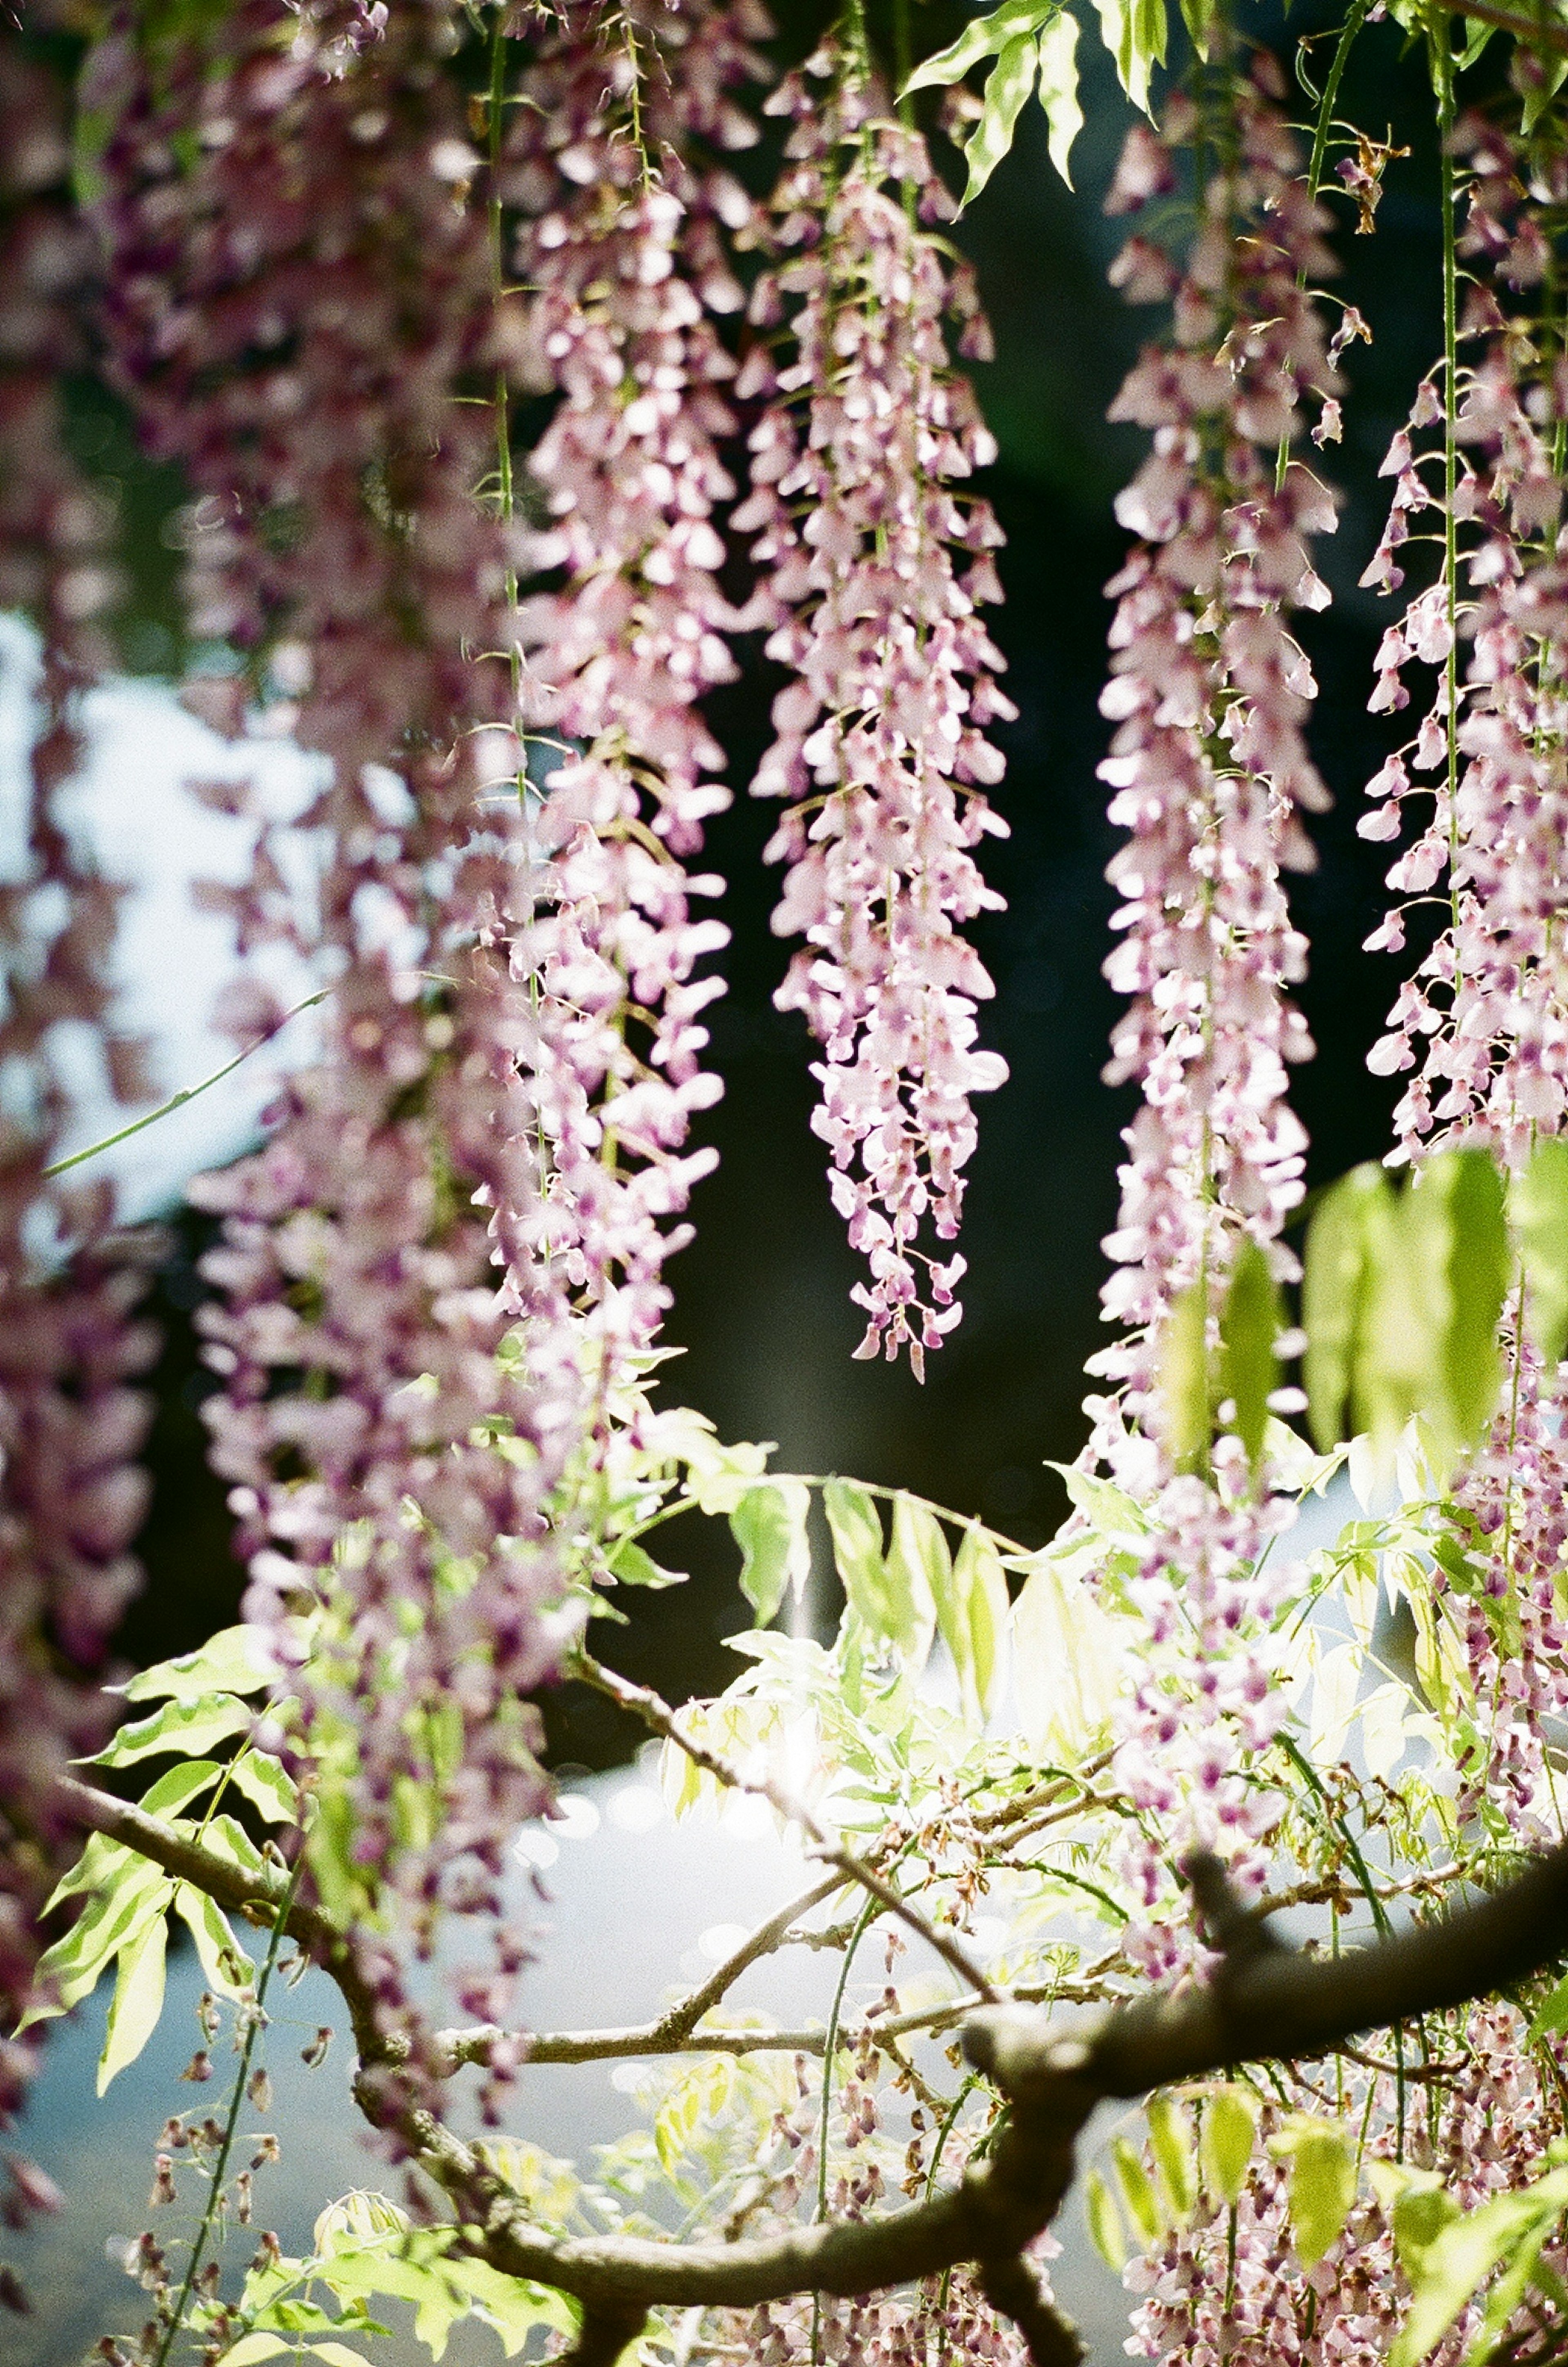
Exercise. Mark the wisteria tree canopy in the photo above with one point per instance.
(524, 369)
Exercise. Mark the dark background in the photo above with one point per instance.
(763, 1309)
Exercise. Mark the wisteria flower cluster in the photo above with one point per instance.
(1209, 692)
(1484, 1021)
(614, 158)
(72, 1345)
(294, 318)
(874, 560)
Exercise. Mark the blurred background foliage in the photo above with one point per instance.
(763, 1313)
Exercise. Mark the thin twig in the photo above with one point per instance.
(657, 1714)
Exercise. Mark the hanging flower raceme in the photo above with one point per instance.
(874, 563)
(1483, 1021)
(71, 1498)
(1209, 693)
(295, 314)
(612, 157)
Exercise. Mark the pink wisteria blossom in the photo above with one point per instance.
(874, 560)
(614, 161)
(71, 1496)
(1209, 693)
(1483, 1021)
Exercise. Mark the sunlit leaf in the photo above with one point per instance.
(1058, 54)
(1334, 1285)
(1321, 2181)
(1170, 2140)
(137, 2002)
(1137, 2191)
(769, 1526)
(1229, 2131)
(1185, 1412)
(1008, 85)
(182, 1729)
(919, 1570)
(224, 1964)
(1538, 1202)
(234, 1661)
(1104, 2222)
(973, 1620)
(1065, 1663)
(1249, 1369)
(855, 1526)
(267, 1785)
(986, 36)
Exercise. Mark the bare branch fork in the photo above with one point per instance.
(1267, 2004)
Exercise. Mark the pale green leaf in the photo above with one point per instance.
(235, 1661)
(1137, 2192)
(1321, 2181)
(919, 1569)
(113, 1920)
(973, 1620)
(1229, 2131)
(1335, 1285)
(769, 1526)
(138, 2000)
(1460, 2257)
(1170, 2140)
(635, 1566)
(1065, 1663)
(1008, 85)
(1134, 33)
(1477, 1284)
(1538, 1202)
(228, 1839)
(986, 38)
(1104, 2222)
(336, 2354)
(178, 1787)
(184, 1729)
(224, 1964)
(251, 2349)
(1058, 49)
(1250, 1370)
(267, 1785)
(1552, 2016)
(855, 1527)
(1185, 1412)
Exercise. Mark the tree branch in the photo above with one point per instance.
(657, 1714)
(1266, 2004)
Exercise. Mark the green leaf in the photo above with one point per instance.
(114, 1919)
(1321, 2183)
(1134, 32)
(1537, 1204)
(1478, 1264)
(1058, 49)
(855, 1526)
(769, 1526)
(1552, 2017)
(228, 1839)
(1459, 2258)
(182, 1729)
(178, 1787)
(918, 1572)
(1104, 2222)
(1185, 1416)
(1229, 2131)
(1137, 2192)
(1008, 85)
(235, 1661)
(336, 2354)
(1065, 1664)
(138, 2000)
(973, 1618)
(251, 2349)
(1171, 2138)
(1334, 1285)
(224, 1964)
(986, 38)
(265, 1783)
(634, 1566)
(1250, 1370)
